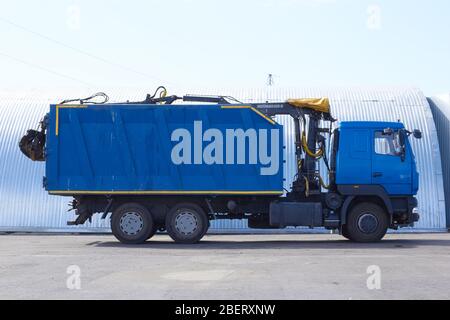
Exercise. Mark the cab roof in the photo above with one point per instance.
(371, 125)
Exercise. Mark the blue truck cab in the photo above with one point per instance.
(152, 166)
(372, 154)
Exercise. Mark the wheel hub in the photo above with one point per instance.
(186, 222)
(131, 223)
(367, 223)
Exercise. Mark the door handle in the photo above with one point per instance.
(377, 174)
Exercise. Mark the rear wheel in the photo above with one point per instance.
(154, 230)
(186, 223)
(132, 223)
(366, 222)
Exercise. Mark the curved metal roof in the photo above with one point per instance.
(440, 106)
(24, 205)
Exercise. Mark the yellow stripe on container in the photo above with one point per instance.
(66, 106)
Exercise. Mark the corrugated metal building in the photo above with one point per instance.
(25, 206)
(440, 106)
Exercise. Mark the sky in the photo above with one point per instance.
(228, 43)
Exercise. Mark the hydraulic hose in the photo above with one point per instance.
(316, 155)
(322, 183)
(163, 93)
(306, 187)
(299, 165)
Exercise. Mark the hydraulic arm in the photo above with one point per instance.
(307, 114)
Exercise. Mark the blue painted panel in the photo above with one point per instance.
(162, 148)
(358, 163)
(353, 161)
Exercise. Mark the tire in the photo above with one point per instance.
(154, 230)
(366, 222)
(132, 223)
(206, 229)
(344, 232)
(186, 223)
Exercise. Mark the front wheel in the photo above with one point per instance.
(186, 223)
(344, 232)
(366, 222)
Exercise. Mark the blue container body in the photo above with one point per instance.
(158, 149)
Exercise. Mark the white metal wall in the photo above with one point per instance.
(24, 205)
(440, 106)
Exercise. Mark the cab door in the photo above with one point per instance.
(391, 166)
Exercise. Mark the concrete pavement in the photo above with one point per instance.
(293, 266)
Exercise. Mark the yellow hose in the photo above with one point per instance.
(306, 187)
(163, 93)
(299, 165)
(322, 183)
(318, 154)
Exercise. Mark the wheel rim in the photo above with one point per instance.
(131, 223)
(367, 222)
(186, 222)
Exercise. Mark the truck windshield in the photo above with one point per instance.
(388, 144)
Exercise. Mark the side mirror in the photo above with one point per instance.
(417, 134)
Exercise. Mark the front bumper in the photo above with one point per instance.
(415, 215)
(407, 214)
(413, 211)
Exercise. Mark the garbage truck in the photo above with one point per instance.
(158, 165)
